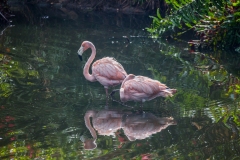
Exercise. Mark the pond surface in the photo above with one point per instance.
(44, 95)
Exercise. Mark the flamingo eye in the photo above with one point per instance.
(84, 45)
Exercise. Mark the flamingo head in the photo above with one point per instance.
(84, 46)
(131, 76)
(90, 144)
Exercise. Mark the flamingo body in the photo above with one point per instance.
(140, 88)
(106, 71)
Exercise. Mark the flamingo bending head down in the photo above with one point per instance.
(106, 71)
(140, 88)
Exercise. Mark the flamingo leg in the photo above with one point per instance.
(106, 90)
(113, 92)
(107, 96)
(112, 95)
(141, 106)
(113, 98)
(106, 102)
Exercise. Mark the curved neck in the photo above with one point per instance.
(130, 76)
(88, 123)
(86, 73)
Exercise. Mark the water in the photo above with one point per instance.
(44, 95)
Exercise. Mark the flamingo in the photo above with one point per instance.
(141, 88)
(106, 71)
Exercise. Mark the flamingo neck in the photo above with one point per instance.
(86, 73)
(88, 123)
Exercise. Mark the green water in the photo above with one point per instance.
(44, 95)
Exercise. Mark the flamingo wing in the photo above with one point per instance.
(117, 66)
(109, 68)
(143, 85)
(140, 88)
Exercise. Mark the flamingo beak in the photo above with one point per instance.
(80, 57)
(80, 52)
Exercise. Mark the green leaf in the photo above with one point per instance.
(158, 14)
(237, 4)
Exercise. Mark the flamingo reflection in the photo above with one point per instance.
(134, 125)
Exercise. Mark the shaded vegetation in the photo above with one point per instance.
(215, 23)
(122, 6)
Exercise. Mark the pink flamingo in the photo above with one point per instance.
(106, 71)
(140, 88)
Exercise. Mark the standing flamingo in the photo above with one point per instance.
(140, 88)
(106, 71)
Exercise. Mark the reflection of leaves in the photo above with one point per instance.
(33, 73)
(6, 89)
(11, 71)
(190, 99)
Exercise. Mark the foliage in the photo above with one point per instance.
(12, 72)
(200, 77)
(214, 21)
(193, 101)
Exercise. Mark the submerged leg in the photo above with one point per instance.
(142, 106)
(113, 92)
(107, 96)
(112, 95)
(106, 90)
(113, 99)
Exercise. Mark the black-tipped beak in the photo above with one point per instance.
(80, 57)
(113, 92)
